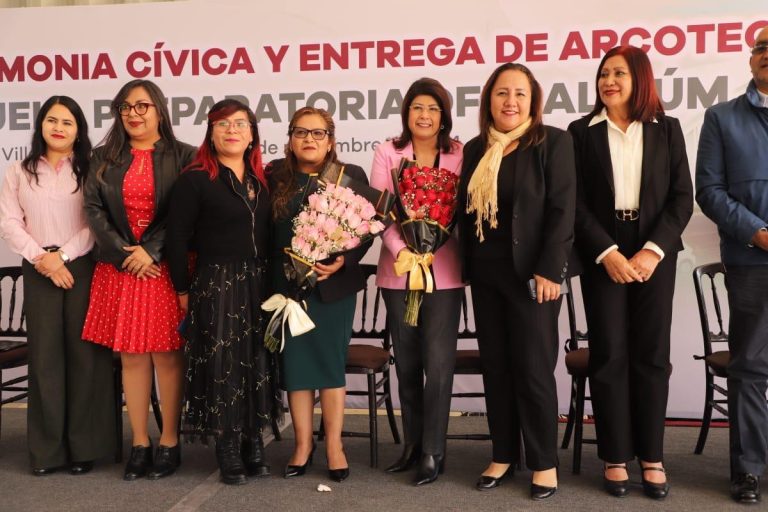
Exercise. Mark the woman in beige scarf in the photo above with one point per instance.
(518, 195)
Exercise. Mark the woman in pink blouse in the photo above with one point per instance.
(425, 355)
(70, 406)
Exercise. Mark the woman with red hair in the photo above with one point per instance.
(634, 200)
(220, 210)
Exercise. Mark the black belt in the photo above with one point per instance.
(628, 215)
(51, 248)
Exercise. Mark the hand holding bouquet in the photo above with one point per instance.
(426, 206)
(334, 220)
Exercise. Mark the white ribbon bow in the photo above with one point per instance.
(291, 311)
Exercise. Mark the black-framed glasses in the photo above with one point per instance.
(141, 108)
(239, 125)
(419, 109)
(303, 133)
(759, 48)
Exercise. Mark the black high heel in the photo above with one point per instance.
(652, 489)
(618, 488)
(339, 475)
(292, 470)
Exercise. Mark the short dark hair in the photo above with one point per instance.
(536, 133)
(434, 89)
(644, 102)
(81, 150)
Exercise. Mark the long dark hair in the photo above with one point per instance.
(434, 89)
(206, 158)
(644, 102)
(536, 133)
(117, 140)
(284, 184)
(81, 149)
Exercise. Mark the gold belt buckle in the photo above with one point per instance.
(143, 223)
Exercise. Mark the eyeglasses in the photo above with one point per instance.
(419, 109)
(239, 125)
(303, 133)
(759, 48)
(141, 108)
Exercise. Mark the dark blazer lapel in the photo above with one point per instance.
(652, 144)
(598, 133)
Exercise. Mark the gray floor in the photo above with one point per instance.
(698, 482)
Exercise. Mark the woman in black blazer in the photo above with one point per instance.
(519, 187)
(635, 198)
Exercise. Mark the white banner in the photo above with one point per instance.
(357, 60)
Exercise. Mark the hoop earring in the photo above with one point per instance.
(442, 127)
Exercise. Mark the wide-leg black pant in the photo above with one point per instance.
(518, 343)
(629, 345)
(425, 357)
(70, 415)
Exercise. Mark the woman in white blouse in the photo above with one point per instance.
(634, 200)
(71, 399)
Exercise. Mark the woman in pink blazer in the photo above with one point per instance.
(425, 354)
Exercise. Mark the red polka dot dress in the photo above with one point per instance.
(125, 313)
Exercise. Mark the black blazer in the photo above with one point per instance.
(544, 206)
(666, 192)
(349, 278)
(105, 209)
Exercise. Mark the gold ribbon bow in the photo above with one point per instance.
(287, 310)
(418, 265)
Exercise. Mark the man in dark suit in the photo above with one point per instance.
(732, 189)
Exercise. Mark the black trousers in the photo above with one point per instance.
(629, 326)
(425, 357)
(518, 343)
(70, 414)
(748, 368)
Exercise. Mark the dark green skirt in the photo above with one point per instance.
(316, 359)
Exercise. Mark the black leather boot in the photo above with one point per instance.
(231, 467)
(139, 462)
(255, 462)
(409, 458)
(429, 467)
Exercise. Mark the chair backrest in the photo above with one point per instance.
(574, 335)
(372, 321)
(12, 318)
(701, 274)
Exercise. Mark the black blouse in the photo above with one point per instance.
(222, 220)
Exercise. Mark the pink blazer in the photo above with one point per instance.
(446, 265)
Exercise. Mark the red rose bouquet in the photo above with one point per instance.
(425, 207)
